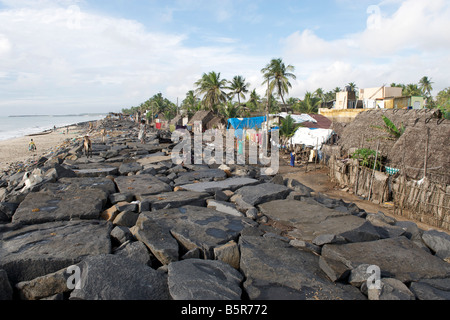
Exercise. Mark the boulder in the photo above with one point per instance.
(174, 199)
(190, 226)
(227, 184)
(309, 220)
(32, 251)
(195, 279)
(205, 175)
(48, 206)
(225, 207)
(129, 167)
(263, 192)
(396, 257)
(44, 286)
(6, 291)
(139, 185)
(113, 277)
(438, 242)
(136, 251)
(431, 289)
(274, 270)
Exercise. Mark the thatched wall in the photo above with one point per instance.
(409, 149)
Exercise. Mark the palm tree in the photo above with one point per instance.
(231, 110)
(288, 128)
(211, 87)
(310, 104)
(425, 85)
(277, 76)
(320, 94)
(412, 90)
(239, 87)
(253, 101)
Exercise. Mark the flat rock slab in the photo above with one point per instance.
(96, 172)
(63, 184)
(263, 192)
(195, 279)
(191, 176)
(274, 270)
(175, 199)
(153, 159)
(139, 185)
(113, 277)
(190, 226)
(397, 258)
(227, 184)
(310, 219)
(49, 206)
(37, 250)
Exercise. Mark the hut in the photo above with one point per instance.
(415, 171)
(202, 116)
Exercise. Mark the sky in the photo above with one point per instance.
(77, 56)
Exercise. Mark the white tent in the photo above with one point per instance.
(311, 137)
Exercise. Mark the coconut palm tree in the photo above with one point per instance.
(412, 90)
(310, 104)
(231, 110)
(239, 87)
(320, 94)
(288, 128)
(211, 87)
(253, 101)
(425, 85)
(277, 75)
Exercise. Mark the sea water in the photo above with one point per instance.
(14, 127)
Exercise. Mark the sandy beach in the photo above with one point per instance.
(15, 150)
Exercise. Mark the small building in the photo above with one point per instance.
(345, 100)
(202, 116)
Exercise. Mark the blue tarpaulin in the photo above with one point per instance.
(246, 123)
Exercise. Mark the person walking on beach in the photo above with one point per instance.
(32, 146)
(142, 131)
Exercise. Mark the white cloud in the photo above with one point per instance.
(402, 47)
(68, 55)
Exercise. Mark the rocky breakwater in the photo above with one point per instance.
(128, 224)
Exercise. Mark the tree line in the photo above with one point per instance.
(229, 97)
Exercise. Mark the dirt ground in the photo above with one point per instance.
(316, 177)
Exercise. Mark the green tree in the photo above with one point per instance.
(231, 110)
(391, 129)
(277, 75)
(443, 102)
(310, 104)
(191, 104)
(425, 85)
(239, 87)
(212, 87)
(288, 128)
(254, 101)
(411, 90)
(320, 94)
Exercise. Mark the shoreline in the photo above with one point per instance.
(15, 150)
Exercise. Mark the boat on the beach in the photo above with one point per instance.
(43, 133)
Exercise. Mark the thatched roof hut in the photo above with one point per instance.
(408, 150)
(204, 116)
(216, 123)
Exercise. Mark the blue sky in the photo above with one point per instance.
(57, 56)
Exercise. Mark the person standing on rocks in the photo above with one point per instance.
(292, 158)
(142, 131)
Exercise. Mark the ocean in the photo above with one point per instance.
(19, 126)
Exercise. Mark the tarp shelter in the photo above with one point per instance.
(246, 123)
(311, 137)
(298, 118)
